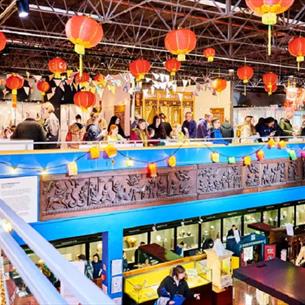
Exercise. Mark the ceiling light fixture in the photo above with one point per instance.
(23, 8)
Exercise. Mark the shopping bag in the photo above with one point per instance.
(178, 299)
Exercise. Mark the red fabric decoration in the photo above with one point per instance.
(172, 66)
(2, 41)
(139, 68)
(84, 99)
(209, 53)
(57, 66)
(43, 86)
(219, 85)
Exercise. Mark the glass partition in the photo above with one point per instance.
(287, 215)
(228, 223)
(211, 229)
(188, 234)
(251, 218)
(300, 214)
(271, 217)
(131, 243)
(164, 238)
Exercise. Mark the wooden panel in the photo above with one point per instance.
(218, 113)
(98, 192)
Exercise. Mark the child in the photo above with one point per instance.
(216, 132)
(177, 134)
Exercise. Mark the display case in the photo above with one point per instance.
(221, 267)
(131, 244)
(188, 234)
(140, 286)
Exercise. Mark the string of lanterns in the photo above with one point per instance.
(110, 152)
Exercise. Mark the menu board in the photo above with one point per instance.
(20, 194)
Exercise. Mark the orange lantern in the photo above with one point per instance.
(84, 99)
(296, 48)
(43, 87)
(172, 66)
(247, 161)
(270, 80)
(81, 79)
(180, 42)
(260, 155)
(85, 33)
(2, 41)
(139, 68)
(100, 79)
(14, 82)
(268, 10)
(57, 66)
(245, 73)
(209, 53)
(219, 85)
(152, 170)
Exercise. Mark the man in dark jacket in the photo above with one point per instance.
(189, 126)
(203, 128)
(29, 129)
(167, 125)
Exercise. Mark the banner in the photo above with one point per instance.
(269, 252)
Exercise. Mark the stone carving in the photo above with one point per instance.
(273, 173)
(252, 175)
(63, 196)
(216, 179)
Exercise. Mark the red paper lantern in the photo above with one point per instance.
(43, 87)
(84, 32)
(139, 68)
(296, 48)
(270, 80)
(180, 42)
(172, 66)
(2, 41)
(209, 53)
(268, 9)
(81, 79)
(14, 82)
(245, 73)
(57, 66)
(219, 85)
(84, 99)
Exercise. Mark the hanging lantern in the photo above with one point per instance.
(270, 80)
(81, 79)
(100, 80)
(247, 161)
(245, 73)
(84, 99)
(172, 66)
(260, 155)
(231, 160)
(292, 154)
(180, 42)
(296, 48)
(14, 83)
(2, 41)
(85, 33)
(171, 161)
(94, 152)
(302, 154)
(209, 53)
(152, 170)
(110, 151)
(219, 85)
(43, 87)
(271, 143)
(57, 66)
(139, 68)
(268, 10)
(215, 157)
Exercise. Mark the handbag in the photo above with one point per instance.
(162, 301)
(178, 299)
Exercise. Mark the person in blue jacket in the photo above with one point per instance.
(97, 267)
(216, 133)
(189, 126)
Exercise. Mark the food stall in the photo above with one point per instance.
(140, 285)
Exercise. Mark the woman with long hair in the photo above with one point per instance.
(116, 121)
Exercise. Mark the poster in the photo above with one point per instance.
(116, 267)
(269, 252)
(20, 194)
(116, 284)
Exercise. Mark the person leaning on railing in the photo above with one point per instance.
(140, 134)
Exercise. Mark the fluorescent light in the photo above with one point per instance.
(23, 8)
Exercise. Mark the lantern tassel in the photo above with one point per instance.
(298, 66)
(14, 101)
(245, 89)
(80, 65)
(269, 39)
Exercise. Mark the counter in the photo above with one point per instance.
(140, 286)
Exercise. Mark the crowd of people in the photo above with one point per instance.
(46, 130)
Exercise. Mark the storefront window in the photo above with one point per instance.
(189, 235)
(271, 217)
(287, 215)
(210, 229)
(164, 238)
(300, 214)
(96, 248)
(71, 253)
(251, 218)
(131, 243)
(228, 223)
